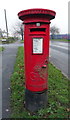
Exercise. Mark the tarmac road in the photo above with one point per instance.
(7, 58)
(60, 56)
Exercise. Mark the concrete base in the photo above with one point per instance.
(35, 100)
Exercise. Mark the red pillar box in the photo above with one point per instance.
(36, 51)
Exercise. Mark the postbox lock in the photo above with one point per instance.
(38, 24)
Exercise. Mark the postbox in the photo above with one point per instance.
(36, 53)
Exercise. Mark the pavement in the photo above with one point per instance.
(60, 56)
(7, 58)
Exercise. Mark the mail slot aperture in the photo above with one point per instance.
(37, 29)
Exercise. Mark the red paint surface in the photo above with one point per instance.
(36, 65)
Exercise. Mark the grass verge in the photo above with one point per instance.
(1, 49)
(58, 102)
(63, 40)
(22, 41)
(0, 42)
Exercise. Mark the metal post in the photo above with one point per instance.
(6, 22)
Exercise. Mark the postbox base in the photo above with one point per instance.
(35, 100)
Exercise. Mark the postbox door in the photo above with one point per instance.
(38, 65)
(36, 56)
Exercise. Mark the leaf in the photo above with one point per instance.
(68, 109)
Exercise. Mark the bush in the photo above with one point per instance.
(10, 40)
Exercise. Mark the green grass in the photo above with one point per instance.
(0, 42)
(1, 49)
(64, 40)
(22, 41)
(58, 102)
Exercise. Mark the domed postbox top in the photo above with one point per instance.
(36, 14)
